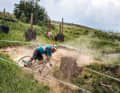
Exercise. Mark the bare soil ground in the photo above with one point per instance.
(17, 52)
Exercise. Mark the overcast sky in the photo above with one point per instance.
(100, 14)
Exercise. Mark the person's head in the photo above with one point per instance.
(53, 48)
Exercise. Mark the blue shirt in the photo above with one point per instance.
(42, 51)
(47, 50)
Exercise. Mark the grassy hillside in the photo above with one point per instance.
(97, 83)
(17, 30)
(94, 39)
(94, 82)
(85, 38)
(97, 43)
(13, 80)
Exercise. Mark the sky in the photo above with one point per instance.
(99, 14)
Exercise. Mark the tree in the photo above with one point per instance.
(23, 17)
(30, 6)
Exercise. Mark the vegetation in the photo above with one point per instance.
(14, 80)
(17, 30)
(94, 82)
(23, 18)
(88, 39)
(97, 83)
(25, 8)
(92, 41)
(7, 16)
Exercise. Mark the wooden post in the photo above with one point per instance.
(49, 25)
(62, 25)
(31, 22)
(60, 28)
(60, 36)
(49, 33)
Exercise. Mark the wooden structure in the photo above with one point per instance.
(69, 67)
(49, 33)
(30, 34)
(60, 36)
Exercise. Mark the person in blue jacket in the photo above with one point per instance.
(39, 52)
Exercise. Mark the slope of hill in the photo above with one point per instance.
(93, 41)
(79, 34)
(101, 45)
(72, 24)
(14, 80)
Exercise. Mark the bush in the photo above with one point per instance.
(23, 17)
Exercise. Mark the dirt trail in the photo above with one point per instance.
(46, 80)
(17, 52)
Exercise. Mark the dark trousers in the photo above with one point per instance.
(37, 55)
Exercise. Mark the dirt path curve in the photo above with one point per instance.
(17, 52)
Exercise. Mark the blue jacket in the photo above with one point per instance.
(47, 50)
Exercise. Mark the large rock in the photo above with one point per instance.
(69, 67)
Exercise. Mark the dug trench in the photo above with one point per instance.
(17, 52)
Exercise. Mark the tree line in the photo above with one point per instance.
(24, 8)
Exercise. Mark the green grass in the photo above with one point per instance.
(74, 36)
(17, 30)
(14, 80)
(92, 81)
(7, 16)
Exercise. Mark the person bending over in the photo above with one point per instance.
(39, 52)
